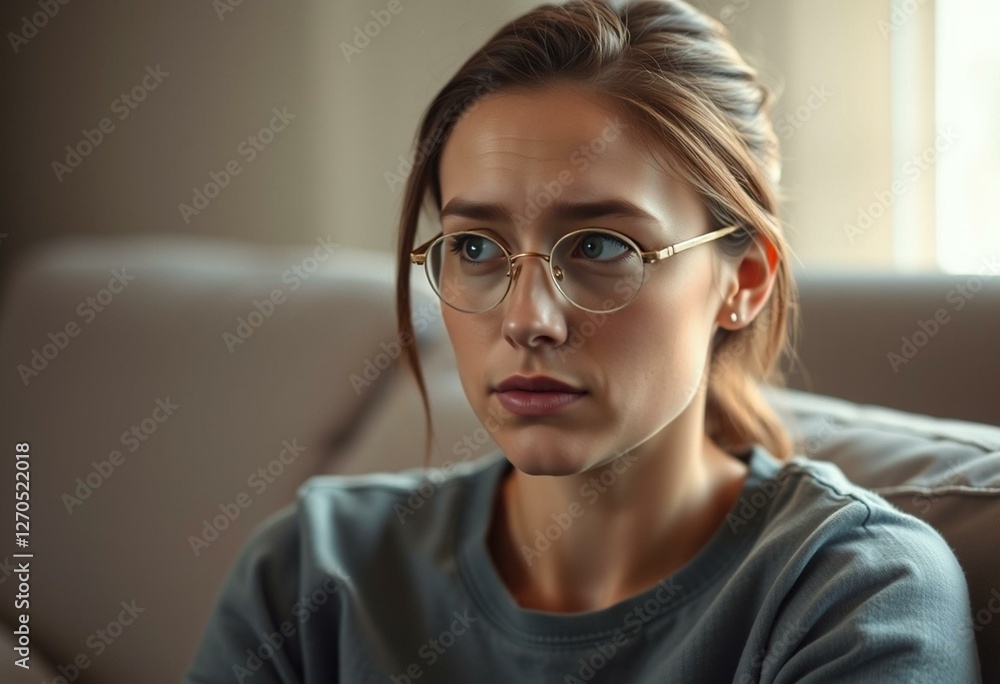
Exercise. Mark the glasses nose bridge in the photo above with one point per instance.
(549, 273)
(514, 265)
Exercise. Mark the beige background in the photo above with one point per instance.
(324, 174)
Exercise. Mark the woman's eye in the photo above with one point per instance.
(602, 247)
(474, 248)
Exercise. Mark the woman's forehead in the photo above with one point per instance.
(545, 127)
(527, 152)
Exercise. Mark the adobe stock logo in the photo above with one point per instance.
(901, 13)
(249, 148)
(958, 297)
(223, 7)
(99, 641)
(230, 511)
(372, 29)
(432, 650)
(87, 310)
(132, 439)
(31, 26)
(883, 200)
(123, 106)
(750, 506)
(264, 308)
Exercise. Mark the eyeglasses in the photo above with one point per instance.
(596, 269)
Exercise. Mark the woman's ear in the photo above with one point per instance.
(750, 288)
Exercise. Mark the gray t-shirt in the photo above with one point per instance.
(387, 578)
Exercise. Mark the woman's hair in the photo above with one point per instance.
(685, 91)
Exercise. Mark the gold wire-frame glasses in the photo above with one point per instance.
(419, 256)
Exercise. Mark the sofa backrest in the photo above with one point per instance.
(920, 342)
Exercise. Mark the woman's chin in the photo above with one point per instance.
(555, 462)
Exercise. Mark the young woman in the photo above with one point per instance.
(616, 286)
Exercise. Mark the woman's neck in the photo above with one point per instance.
(585, 542)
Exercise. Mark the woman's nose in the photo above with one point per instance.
(534, 309)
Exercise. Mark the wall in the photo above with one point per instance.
(323, 174)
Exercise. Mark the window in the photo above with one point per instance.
(967, 101)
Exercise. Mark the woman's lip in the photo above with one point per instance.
(525, 403)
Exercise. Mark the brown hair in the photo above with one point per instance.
(674, 74)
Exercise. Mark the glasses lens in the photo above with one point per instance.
(468, 271)
(597, 270)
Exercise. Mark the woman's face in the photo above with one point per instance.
(641, 366)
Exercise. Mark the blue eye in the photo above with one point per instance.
(602, 247)
(474, 248)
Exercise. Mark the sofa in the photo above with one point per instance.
(173, 392)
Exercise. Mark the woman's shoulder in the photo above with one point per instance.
(340, 526)
(341, 523)
(848, 570)
(815, 497)
(815, 519)
(394, 497)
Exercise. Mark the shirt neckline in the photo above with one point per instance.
(493, 600)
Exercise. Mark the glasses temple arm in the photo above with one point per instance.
(418, 255)
(653, 257)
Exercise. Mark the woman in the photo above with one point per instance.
(617, 286)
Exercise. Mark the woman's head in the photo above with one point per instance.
(648, 104)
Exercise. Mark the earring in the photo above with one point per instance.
(733, 316)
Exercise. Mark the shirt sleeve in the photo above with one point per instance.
(251, 635)
(886, 602)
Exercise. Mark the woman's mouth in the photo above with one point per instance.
(528, 403)
(538, 395)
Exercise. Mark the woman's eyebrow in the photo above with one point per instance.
(558, 210)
